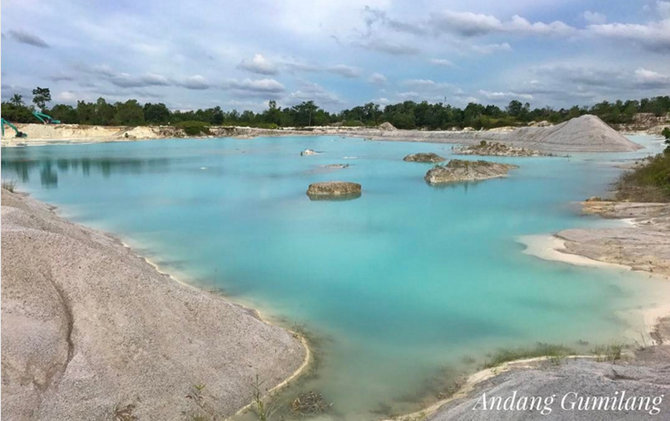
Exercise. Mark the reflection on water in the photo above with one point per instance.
(404, 287)
(49, 168)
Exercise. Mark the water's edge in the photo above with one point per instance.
(473, 377)
(301, 336)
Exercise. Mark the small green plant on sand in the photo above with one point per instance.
(260, 408)
(195, 394)
(555, 353)
(609, 353)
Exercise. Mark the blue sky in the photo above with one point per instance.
(193, 54)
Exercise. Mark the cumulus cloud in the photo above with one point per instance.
(67, 97)
(651, 79)
(28, 38)
(197, 82)
(256, 87)
(338, 69)
(581, 75)
(314, 92)
(125, 80)
(377, 79)
(470, 24)
(259, 64)
(654, 36)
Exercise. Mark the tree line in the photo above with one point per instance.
(404, 115)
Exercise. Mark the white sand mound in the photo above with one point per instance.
(386, 126)
(587, 133)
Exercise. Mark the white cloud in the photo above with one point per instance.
(491, 48)
(654, 35)
(344, 70)
(314, 92)
(594, 17)
(67, 97)
(651, 79)
(441, 62)
(124, 80)
(258, 64)
(194, 82)
(338, 69)
(663, 8)
(259, 86)
(505, 95)
(470, 24)
(377, 79)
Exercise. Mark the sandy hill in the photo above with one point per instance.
(587, 133)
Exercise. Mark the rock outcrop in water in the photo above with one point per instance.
(308, 152)
(485, 148)
(333, 190)
(458, 170)
(423, 157)
(92, 331)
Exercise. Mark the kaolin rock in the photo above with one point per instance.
(423, 157)
(333, 190)
(458, 170)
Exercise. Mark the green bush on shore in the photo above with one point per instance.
(194, 128)
(649, 182)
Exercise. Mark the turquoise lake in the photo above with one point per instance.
(401, 288)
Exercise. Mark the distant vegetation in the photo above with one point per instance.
(649, 182)
(405, 115)
(193, 128)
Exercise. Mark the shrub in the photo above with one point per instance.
(610, 353)
(352, 123)
(553, 352)
(193, 128)
(647, 183)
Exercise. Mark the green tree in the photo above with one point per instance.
(85, 112)
(156, 113)
(41, 96)
(272, 115)
(129, 113)
(17, 100)
(65, 113)
(304, 112)
(217, 116)
(104, 112)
